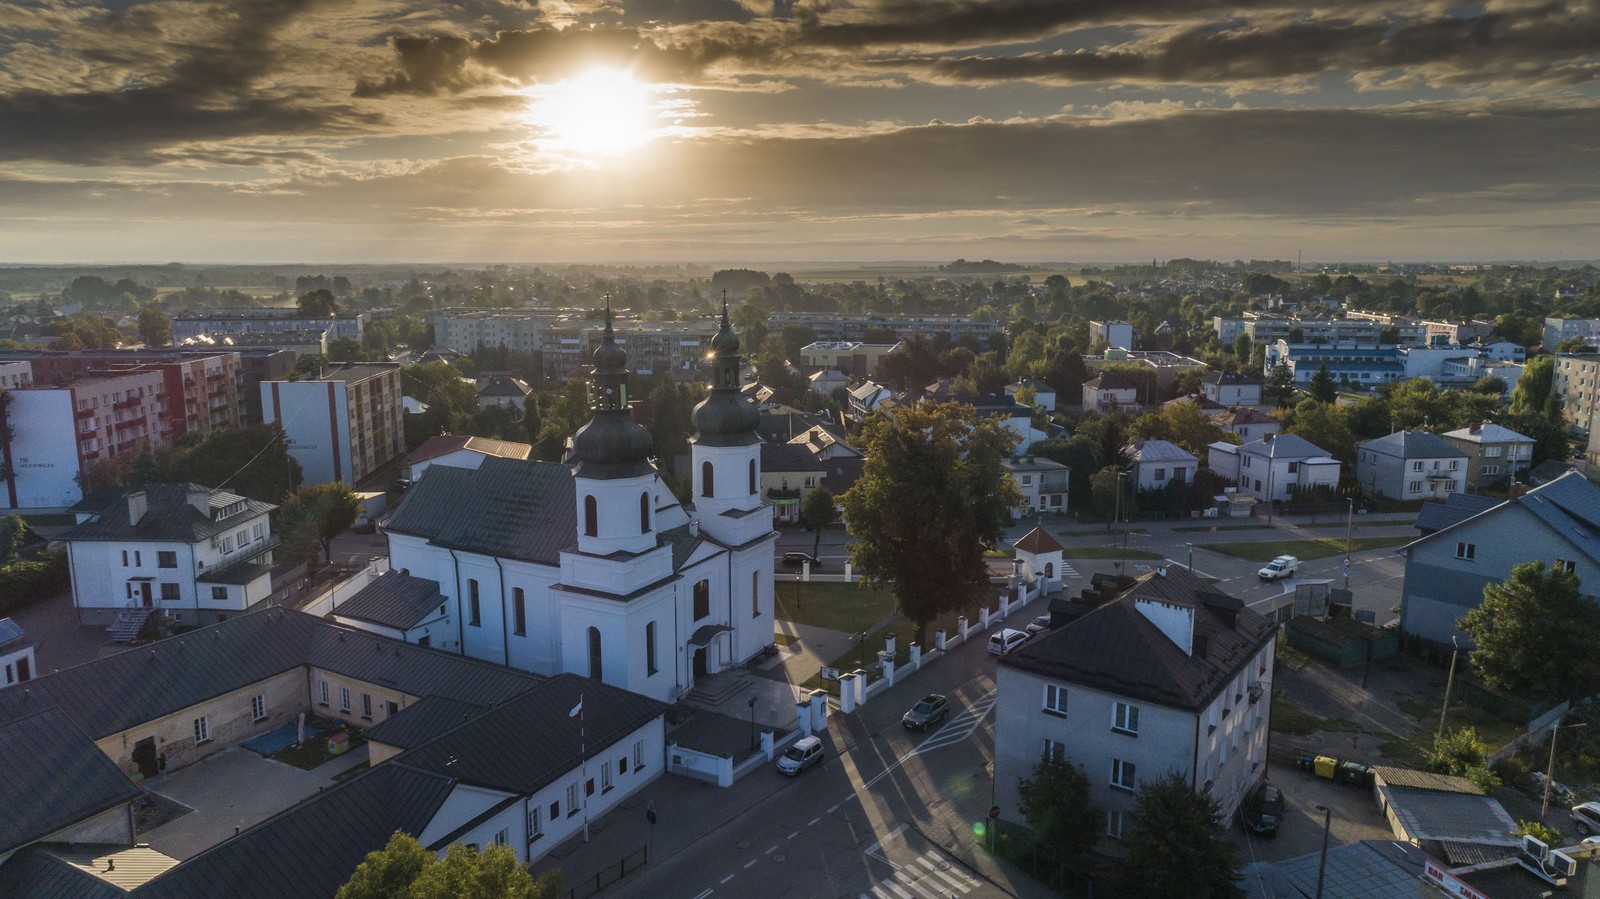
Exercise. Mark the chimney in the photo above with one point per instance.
(200, 499)
(1175, 621)
(1268, 437)
(1475, 427)
(138, 504)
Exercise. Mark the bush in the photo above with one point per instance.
(26, 581)
(1515, 771)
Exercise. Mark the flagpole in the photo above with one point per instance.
(583, 753)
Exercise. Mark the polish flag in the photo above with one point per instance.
(577, 710)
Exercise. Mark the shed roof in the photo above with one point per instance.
(445, 444)
(54, 776)
(1037, 541)
(396, 599)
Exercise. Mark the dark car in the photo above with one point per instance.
(1262, 812)
(931, 709)
(797, 559)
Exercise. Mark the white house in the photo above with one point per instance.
(504, 391)
(1171, 676)
(1044, 393)
(1157, 463)
(1411, 465)
(867, 398)
(1114, 334)
(1247, 424)
(595, 568)
(1042, 482)
(16, 655)
(1275, 467)
(1230, 388)
(460, 451)
(1112, 390)
(194, 553)
(826, 381)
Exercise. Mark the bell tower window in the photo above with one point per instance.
(591, 517)
(752, 477)
(708, 479)
(594, 654)
(644, 513)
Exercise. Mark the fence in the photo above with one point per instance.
(1015, 843)
(611, 874)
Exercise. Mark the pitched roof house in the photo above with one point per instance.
(1411, 465)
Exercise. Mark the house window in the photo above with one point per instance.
(1454, 464)
(1490, 470)
(1054, 750)
(1294, 467)
(472, 603)
(1413, 486)
(256, 531)
(572, 799)
(366, 706)
(595, 668)
(1125, 718)
(1055, 700)
(519, 611)
(258, 707)
(707, 479)
(344, 699)
(644, 513)
(502, 836)
(591, 517)
(1122, 775)
(1416, 466)
(226, 545)
(649, 648)
(322, 692)
(752, 477)
(605, 778)
(638, 755)
(1565, 565)
(166, 559)
(219, 592)
(755, 594)
(535, 826)
(242, 537)
(1467, 551)
(169, 593)
(202, 731)
(1027, 480)
(138, 559)
(622, 765)
(1114, 825)
(588, 787)
(1161, 474)
(702, 600)
(124, 558)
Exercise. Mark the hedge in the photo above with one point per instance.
(27, 581)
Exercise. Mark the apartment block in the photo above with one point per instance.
(1557, 330)
(858, 360)
(244, 368)
(343, 424)
(217, 323)
(833, 326)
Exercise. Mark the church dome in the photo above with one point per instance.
(612, 445)
(726, 418)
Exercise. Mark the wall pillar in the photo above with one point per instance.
(847, 693)
(766, 744)
(802, 712)
(886, 665)
(819, 711)
(861, 686)
(961, 626)
(939, 639)
(916, 656)
(888, 645)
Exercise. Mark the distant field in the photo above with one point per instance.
(912, 272)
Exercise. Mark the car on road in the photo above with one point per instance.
(797, 559)
(805, 752)
(1006, 640)
(1586, 817)
(931, 709)
(1262, 810)
(401, 484)
(1279, 568)
(1038, 625)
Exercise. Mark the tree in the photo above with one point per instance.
(931, 498)
(1534, 635)
(1322, 388)
(1055, 803)
(1490, 385)
(310, 363)
(1539, 831)
(1418, 403)
(155, 329)
(1575, 345)
(1462, 754)
(318, 304)
(1323, 424)
(1176, 846)
(404, 870)
(318, 513)
(1535, 386)
(1280, 384)
(346, 349)
(816, 513)
(13, 534)
(772, 362)
(251, 461)
(1104, 486)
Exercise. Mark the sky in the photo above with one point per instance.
(721, 131)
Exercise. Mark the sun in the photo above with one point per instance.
(602, 112)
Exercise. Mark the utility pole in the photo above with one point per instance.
(1349, 526)
(1322, 864)
(1550, 772)
(1450, 682)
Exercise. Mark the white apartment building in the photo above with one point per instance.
(217, 323)
(342, 425)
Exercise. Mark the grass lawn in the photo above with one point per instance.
(851, 608)
(312, 753)
(1213, 528)
(1107, 552)
(1288, 718)
(1305, 550)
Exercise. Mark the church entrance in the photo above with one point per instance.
(700, 669)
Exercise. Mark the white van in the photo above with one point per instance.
(1006, 640)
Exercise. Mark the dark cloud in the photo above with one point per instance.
(428, 65)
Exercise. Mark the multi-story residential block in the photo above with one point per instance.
(1274, 467)
(343, 424)
(201, 391)
(218, 323)
(1359, 328)
(1228, 329)
(1170, 676)
(1411, 465)
(858, 360)
(1112, 390)
(1502, 351)
(1495, 453)
(1365, 365)
(1154, 464)
(1043, 483)
(1446, 570)
(15, 374)
(249, 366)
(1445, 332)
(62, 431)
(1577, 381)
(1231, 388)
(1558, 330)
(656, 348)
(304, 342)
(195, 554)
(517, 330)
(832, 326)
(1112, 334)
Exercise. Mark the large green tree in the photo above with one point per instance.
(1322, 388)
(155, 329)
(403, 869)
(931, 498)
(1534, 635)
(816, 513)
(1324, 425)
(313, 516)
(1176, 846)
(317, 304)
(1055, 803)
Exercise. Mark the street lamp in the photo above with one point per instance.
(1349, 525)
(1322, 865)
(1550, 773)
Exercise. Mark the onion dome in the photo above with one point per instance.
(612, 444)
(725, 417)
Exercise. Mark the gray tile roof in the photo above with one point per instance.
(683, 541)
(1456, 507)
(776, 457)
(1414, 445)
(1283, 446)
(1489, 432)
(54, 775)
(1159, 451)
(10, 631)
(395, 599)
(1111, 380)
(1568, 505)
(510, 508)
(36, 873)
(169, 517)
(1117, 649)
(421, 721)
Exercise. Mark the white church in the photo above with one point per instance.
(592, 567)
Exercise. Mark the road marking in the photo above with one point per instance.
(911, 883)
(833, 809)
(726, 879)
(705, 894)
(792, 835)
(877, 844)
(896, 888)
(813, 821)
(771, 849)
(750, 863)
(930, 874)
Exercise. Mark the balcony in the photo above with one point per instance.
(83, 413)
(128, 403)
(129, 423)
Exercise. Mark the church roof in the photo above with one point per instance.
(506, 507)
(1037, 541)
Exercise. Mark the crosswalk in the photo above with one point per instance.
(1068, 571)
(928, 876)
(960, 726)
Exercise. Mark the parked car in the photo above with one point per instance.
(1586, 817)
(805, 752)
(797, 559)
(931, 709)
(1006, 640)
(401, 484)
(1279, 568)
(1037, 625)
(1262, 810)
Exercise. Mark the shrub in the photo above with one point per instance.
(26, 581)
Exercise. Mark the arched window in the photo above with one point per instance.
(650, 648)
(702, 600)
(591, 517)
(594, 654)
(1049, 569)
(755, 594)
(707, 480)
(752, 477)
(644, 513)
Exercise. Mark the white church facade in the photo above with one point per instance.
(593, 567)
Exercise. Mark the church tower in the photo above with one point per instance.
(727, 451)
(614, 476)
